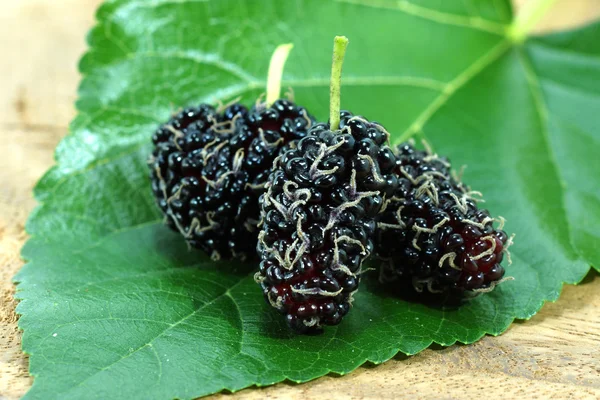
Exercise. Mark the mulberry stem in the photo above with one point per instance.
(339, 50)
(276, 65)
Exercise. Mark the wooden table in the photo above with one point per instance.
(554, 355)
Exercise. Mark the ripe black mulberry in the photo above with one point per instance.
(208, 169)
(318, 220)
(432, 235)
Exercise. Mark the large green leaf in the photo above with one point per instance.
(114, 306)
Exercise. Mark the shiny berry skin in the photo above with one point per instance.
(318, 220)
(208, 169)
(432, 233)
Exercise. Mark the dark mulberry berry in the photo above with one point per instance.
(208, 169)
(319, 220)
(432, 234)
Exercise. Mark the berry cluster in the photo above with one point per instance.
(432, 233)
(319, 219)
(208, 169)
(315, 200)
(332, 198)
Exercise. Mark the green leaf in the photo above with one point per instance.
(114, 306)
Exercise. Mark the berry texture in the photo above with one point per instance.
(209, 167)
(318, 220)
(431, 234)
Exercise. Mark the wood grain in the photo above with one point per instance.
(554, 355)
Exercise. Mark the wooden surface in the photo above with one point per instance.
(555, 355)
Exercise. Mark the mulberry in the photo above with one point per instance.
(432, 235)
(318, 220)
(208, 169)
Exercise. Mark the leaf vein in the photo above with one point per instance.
(162, 333)
(452, 87)
(542, 113)
(440, 17)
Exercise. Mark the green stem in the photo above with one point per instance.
(339, 49)
(531, 13)
(275, 74)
